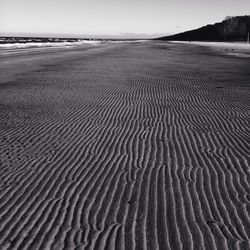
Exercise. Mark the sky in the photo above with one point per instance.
(118, 18)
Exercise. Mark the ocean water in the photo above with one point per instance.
(25, 42)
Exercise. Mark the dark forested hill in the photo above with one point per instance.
(231, 29)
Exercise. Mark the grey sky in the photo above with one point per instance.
(113, 17)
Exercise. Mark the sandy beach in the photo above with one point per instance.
(140, 145)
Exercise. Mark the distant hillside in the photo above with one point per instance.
(231, 29)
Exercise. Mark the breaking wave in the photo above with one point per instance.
(36, 44)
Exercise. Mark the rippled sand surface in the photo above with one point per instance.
(124, 146)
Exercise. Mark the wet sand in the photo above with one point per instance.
(124, 146)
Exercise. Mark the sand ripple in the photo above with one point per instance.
(146, 146)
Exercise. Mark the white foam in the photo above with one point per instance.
(47, 44)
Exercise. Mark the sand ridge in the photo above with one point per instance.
(136, 146)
